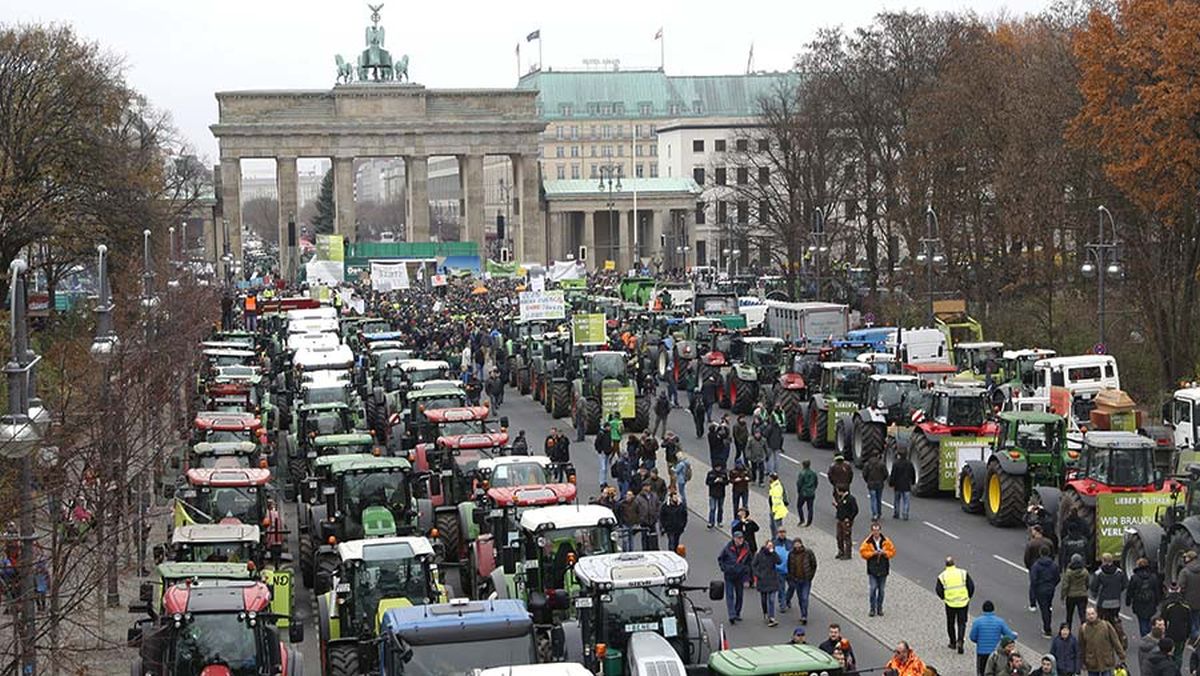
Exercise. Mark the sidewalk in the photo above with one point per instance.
(914, 613)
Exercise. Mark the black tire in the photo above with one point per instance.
(972, 478)
(1179, 543)
(535, 385)
(1070, 503)
(341, 659)
(1011, 507)
(803, 424)
(307, 574)
(868, 438)
(789, 401)
(523, 380)
(1135, 549)
(641, 415)
(925, 458)
(743, 395)
(297, 467)
(326, 566)
(377, 417)
(449, 532)
(547, 389)
(591, 416)
(821, 424)
(560, 399)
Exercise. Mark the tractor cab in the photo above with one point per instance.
(455, 638)
(372, 577)
(844, 380)
(773, 660)
(1019, 374)
(169, 573)
(217, 357)
(885, 402)
(975, 361)
(421, 401)
(882, 363)
(228, 496)
(623, 595)
(217, 543)
(513, 471)
(836, 395)
(1029, 460)
(225, 455)
(1115, 462)
(227, 427)
(932, 373)
(215, 626)
(364, 496)
(317, 420)
(951, 428)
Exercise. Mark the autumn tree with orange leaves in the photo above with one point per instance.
(1140, 83)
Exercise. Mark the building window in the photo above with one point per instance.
(719, 145)
(743, 176)
(558, 132)
(644, 109)
(764, 211)
(593, 151)
(637, 131)
(653, 171)
(618, 108)
(742, 145)
(654, 150)
(637, 170)
(697, 107)
(562, 172)
(722, 212)
(559, 151)
(763, 145)
(700, 215)
(607, 131)
(574, 132)
(620, 130)
(743, 212)
(574, 151)
(698, 176)
(653, 130)
(594, 174)
(637, 150)
(698, 145)
(764, 175)
(621, 150)
(565, 109)
(720, 176)
(608, 151)
(574, 171)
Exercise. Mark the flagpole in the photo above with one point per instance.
(540, 62)
(518, 61)
(662, 52)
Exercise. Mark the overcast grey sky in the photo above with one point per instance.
(178, 52)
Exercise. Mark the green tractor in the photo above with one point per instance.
(637, 290)
(974, 360)
(604, 385)
(1029, 452)
(885, 401)
(836, 394)
(551, 374)
(363, 497)
(371, 577)
(755, 375)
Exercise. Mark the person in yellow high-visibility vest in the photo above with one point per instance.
(955, 588)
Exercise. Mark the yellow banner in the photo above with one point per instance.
(588, 329)
(620, 399)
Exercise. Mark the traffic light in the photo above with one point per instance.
(583, 252)
(505, 255)
(662, 241)
(500, 226)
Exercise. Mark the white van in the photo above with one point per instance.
(919, 346)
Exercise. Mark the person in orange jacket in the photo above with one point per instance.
(905, 662)
(877, 550)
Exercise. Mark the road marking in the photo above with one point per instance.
(791, 460)
(939, 529)
(1018, 566)
(1125, 617)
(823, 474)
(888, 504)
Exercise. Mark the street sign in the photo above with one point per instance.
(1099, 348)
(869, 318)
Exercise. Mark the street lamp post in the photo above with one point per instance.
(18, 439)
(931, 254)
(103, 346)
(506, 198)
(610, 181)
(1102, 259)
(818, 248)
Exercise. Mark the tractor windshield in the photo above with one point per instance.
(374, 489)
(610, 366)
(393, 573)
(1122, 467)
(847, 383)
(228, 436)
(374, 327)
(391, 379)
(422, 375)
(236, 502)
(462, 658)
(892, 392)
(717, 305)
(1037, 437)
(968, 411)
(1022, 371)
(639, 609)
(457, 427)
(215, 639)
(765, 356)
(326, 423)
(219, 552)
(324, 395)
(519, 474)
(442, 401)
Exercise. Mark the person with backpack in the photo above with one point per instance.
(1143, 593)
(1044, 577)
(1177, 615)
(1074, 589)
(697, 408)
(662, 409)
(622, 472)
(520, 445)
(1106, 586)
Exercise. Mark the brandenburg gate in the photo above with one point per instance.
(377, 114)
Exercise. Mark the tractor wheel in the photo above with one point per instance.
(546, 390)
(1135, 549)
(742, 395)
(523, 380)
(925, 457)
(1180, 543)
(377, 416)
(341, 659)
(819, 428)
(723, 394)
(326, 567)
(842, 442)
(868, 439)
(1071, 504)
(512, 377)
(450, 532)
(297, 471)
(789, 401)
(1004, 497)
(802, 423)
(664, 360)
(591, 416)
(641, 415)
(560, 400)
(307, 574)
(971, 482)
(535, 386)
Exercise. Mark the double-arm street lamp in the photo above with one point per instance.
(1102, 260)
(931, 254)
(610, 182)
(104, 346)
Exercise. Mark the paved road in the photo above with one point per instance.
(937, 528)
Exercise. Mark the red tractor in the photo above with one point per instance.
(951, 426)
(214, 627)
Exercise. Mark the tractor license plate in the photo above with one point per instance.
(583, 602)
(641, 626)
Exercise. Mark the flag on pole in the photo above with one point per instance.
(658, 35)
(536, 35)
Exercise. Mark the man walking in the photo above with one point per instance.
(716, 480)
(734, 563)
(673, 518)
(845, 511)
(876, 475)
(783, 548)
(682, 470)
(840, 474)
(739, 482)
(987, 631)
(708, 395)
(902, 478)
(1106, 587)
(1044, 577)
(765, 568)
(648, 507)
(955, 588)
(604, 450)
(1033, 549)
(802, 568)
(877, 550)
(662, 409)
(1099, 645)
